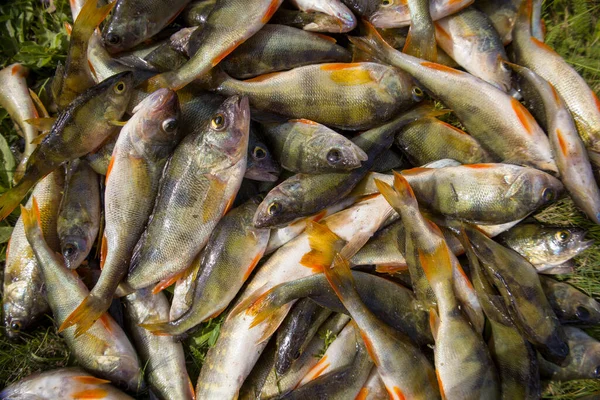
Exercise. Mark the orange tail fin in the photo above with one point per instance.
(323, 243)
(86, 314)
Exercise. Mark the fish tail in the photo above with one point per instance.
(524, 15)
(91, 16)
(160, 328)
(421, 43)
(88, 312)
(11, 199)
(323, 244)
(31, 218)
(372, 44)
(399, 196)
(340, 278)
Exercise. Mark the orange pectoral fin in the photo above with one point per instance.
(165, 283)
(252, 265)
(523, 115)
(89, 380)
(90, 394)
(564, 148)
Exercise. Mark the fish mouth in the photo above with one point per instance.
(263, 176)
(389, 20)
(585, 244)
(242, 106)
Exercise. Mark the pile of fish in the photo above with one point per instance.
(306, 186)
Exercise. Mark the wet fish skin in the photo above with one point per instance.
(303, 195)
(583, 361)
(233, 250)
(78, 130)
(62, 383)
(430, 139)
(296, 330)
(194, 194)
(541, 59)
(511, 192)
(518, 283)
(261, 165)
(79, 216)
(225, 29)
(350, 96)
(76, 76)
(305, 146)
(162, 356)
(100, 159)
(15, 99)
(196, 13)
(134, 21)
(396, 13)
(308, 21)
(470, 38)
(105, 351)
(23, 302)
(571, 305)
(269, 51)
(345, 20)
(523, 141)
(546, 246)
(502, 14)
(421, 41)
(140, 154)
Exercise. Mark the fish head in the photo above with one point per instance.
(495, 71)
(390, 14)
(228, 129)
(115, 92)
(585, 308)
(584, 358)
(261, 165)
(560, 244)
(158, 119)
(279, 204)
(20, 307)
(335, 151)
(123, 31)
(533, 188)
(74, 248)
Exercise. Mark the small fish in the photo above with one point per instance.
(308, 147)
(140, 154)
(78, 130)
(519, 285)
(196, 13)
(76, 76)
(421, 40)
(198, 186)
(16, 100)
(583, 361)
(162, 356)
(79, 216)
(346, 21)
(105, 351)
(261, 164)
(546, 247)
(343, 383)
(470, 39)
(296, 331)
(430, 139)
(229, 24)
(133, 22)
(63, 383)
(502, 14)
(23, 302)
(405, 371)
(569, 150)
(482, 108)
(303, 195)
(571, 305)
(269, 51)
(350, 96)
(396, 13)
(541, 59)
(233, 250)
(308, 21)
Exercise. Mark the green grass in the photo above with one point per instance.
(38, 39)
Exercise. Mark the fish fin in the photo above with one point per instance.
(89, 380)
(421, 44)
(41, 124)
(566, 268)
(263, 307)
(340, 278)
(31, 218)
(91, 16)
(363, 394)
(401, 195)
(272, 323)
(103, 250)
(273, 6)
(372, 44)
(434, 322)
(164, 328)
(93, 71)
(192, 390)
(354, 245)
(90, 394)
(246, 303)
(68, 28)
(390, 269)
(322, 242)
(436, 264)
(56, 86)
(90, 310)
(39, 106)
(165, 283)
(114, 122)
(40, 138)
(524, 16)
(11, 199)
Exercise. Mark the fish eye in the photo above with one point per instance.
(169, 125)
(69, 250)
(15, 325)
(548, 194)
(274, 208)
(386, 3)
(113, 39)
(562, 236)
(120, 87)
(504, 66)
(597, 372)
(582, 313)
(334, 156)
(218, 122)
(259, 153)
